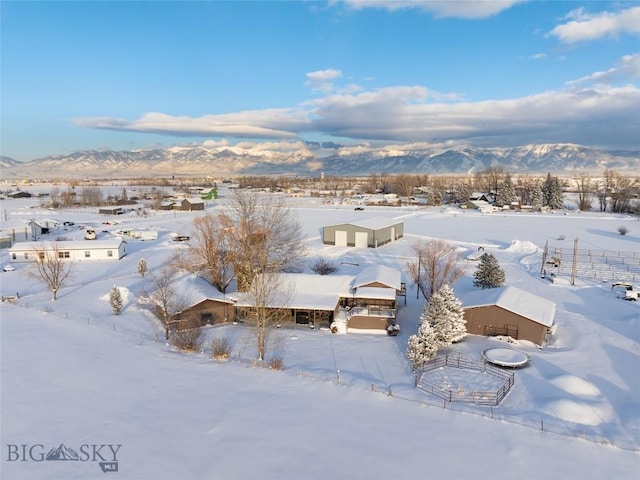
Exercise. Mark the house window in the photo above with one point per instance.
(109, 253)
(26, 255)
(206, 318)
(64, 255)
(40, 255)
(87, 254)
(14, 256)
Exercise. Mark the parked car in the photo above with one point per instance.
(8, 268)
(359, 208)
(181, 238)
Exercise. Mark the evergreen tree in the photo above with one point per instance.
(536, 196)
(441, 323)
(115, 300)
(446, 315)
(552, 192)
(506, 191)
(422, 347)
(556, 194)
(489, 273)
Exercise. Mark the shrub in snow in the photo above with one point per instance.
(276, 363)
(220, 348)
(142, 267)
(187, 340)
(489, 274)
(623, 230)
(324, 267)
(115, 300)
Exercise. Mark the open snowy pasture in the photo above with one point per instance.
(344, 406)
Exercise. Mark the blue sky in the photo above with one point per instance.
(129, 75)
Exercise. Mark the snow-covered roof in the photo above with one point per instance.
(304, 290)
(388, 276)
(372, 223)
(193, 200)
(67, 245)
(375, 292)
(515, 300)
(193, 290)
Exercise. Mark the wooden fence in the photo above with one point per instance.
(457, 361)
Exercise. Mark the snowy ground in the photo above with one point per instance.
(74, 373)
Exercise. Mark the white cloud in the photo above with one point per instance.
(440, 8)
(591, 110)
(538, 56)
(628, 68)
(583, 26)
(272, 123)
(322, 80)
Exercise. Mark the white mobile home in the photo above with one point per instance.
(78, 251)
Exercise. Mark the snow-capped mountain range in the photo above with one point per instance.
(309, 159)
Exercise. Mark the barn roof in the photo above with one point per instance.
(518, 301)
(372, 223)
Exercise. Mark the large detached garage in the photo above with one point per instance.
(367, 233)
(508, 311)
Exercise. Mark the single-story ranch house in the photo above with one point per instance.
(366, 302)
(372, 232)
(508, 311)
(79, 250)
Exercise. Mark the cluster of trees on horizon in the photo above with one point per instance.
(613, 191)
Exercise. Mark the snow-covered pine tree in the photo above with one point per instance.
(489, 274)
(552, 192)
(556, 194)
(446, 315)
(422, 347)
(506, 191)
(115, 300)
(536, 196)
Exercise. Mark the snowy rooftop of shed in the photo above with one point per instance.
(372, 223)
(515, 300)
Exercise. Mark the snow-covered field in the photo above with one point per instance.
(345, 406)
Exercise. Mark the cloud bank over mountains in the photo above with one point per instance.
(600, 109)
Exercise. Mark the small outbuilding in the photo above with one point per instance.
(371, 232)
(193, 203)
(508, 311)
(111, 210)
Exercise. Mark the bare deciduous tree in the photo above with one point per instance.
(269, 298)
(212, 249)
(437, 264)
(257, 234)
(168, 300)
(586, 190)
(50, 268)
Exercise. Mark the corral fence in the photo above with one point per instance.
(492, 398)
(603, 265)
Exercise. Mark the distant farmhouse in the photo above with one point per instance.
(80, 250)
(372, 232)
(508, 311)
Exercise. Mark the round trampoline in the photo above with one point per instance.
(506, 357)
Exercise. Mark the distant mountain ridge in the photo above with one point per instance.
(305, 161)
